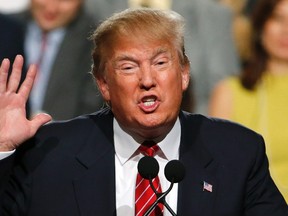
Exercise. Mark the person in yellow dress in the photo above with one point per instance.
(258, 97)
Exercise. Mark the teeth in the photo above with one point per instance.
(149, 102)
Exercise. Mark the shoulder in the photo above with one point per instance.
(225, 137)
(224, 88)
(11, 24)
(60, 138)
(228, 83)
(230, 144)
(217, 124)
(221, 99)
(82, 124)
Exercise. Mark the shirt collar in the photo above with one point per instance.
(126, 146)
(35, 32)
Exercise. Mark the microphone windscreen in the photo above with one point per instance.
(174, 171)
(148, 167)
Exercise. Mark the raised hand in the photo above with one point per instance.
(15, 128)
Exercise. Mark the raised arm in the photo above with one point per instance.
(15, 128)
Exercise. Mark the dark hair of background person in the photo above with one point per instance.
(256, 65)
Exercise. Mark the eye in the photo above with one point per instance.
(127, 68)
(277, 17)
(161, 63)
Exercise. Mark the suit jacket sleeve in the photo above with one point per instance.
(262, 195)
(5, 170)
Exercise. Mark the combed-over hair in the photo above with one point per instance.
(148, 23)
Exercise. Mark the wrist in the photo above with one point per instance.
(5, 147)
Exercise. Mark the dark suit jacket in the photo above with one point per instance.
(68, 169)
(11, 38)
(71, 90)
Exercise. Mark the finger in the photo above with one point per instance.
(27, 85)
(15, 76)
(4, 75)
(38, 121)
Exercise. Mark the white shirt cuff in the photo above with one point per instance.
(4, 155)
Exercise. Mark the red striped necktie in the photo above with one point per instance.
(42, 49)
(144, 194)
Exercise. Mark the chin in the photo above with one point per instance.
(154, 121)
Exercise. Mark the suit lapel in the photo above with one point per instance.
(193, 198)
(95, 188)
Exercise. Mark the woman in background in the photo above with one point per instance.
(258, 97)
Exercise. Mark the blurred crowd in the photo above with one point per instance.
(238, 50)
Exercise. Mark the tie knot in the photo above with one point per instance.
(148, 149)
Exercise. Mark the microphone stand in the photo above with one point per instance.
(160, 198)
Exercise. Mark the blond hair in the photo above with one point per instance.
(150, 24)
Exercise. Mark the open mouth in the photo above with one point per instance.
(149, 103)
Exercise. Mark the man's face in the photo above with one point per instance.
(52, 14)
(144, 82)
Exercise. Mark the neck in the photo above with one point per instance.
(278, 67)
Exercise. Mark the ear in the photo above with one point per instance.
(103, 87)
(185, 76)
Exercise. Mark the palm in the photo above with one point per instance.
(15, 128)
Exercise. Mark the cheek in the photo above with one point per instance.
(68, 10)
(121, 87)
(270, 44)
(37, 9)
(65, 18)
(270, 34)
(37, 3)
(172, 86)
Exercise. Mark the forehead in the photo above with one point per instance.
(138, 47)
(58, 2)
(282, 6)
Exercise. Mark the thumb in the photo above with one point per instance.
(39, 120)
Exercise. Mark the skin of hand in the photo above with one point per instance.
(15, 128)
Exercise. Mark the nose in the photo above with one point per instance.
(147, 77)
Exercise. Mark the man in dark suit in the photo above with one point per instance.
(88, 166)
(56, 39)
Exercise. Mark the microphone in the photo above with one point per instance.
(148, 167)
(174, 171)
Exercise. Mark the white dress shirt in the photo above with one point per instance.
(6, 154)
(126, 161)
